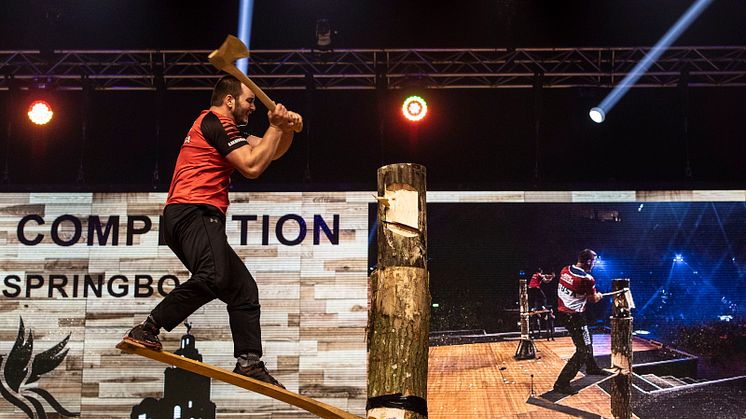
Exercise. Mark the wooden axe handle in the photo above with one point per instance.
(224, 58)
(606, 294)
(243, 78)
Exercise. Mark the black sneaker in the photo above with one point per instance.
(146, 334)
(564, 389)
(258, 372)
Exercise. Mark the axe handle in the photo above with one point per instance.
(243, 78)
(606, 294)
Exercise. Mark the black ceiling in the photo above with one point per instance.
(476, 139)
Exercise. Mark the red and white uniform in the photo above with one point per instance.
(574, 289)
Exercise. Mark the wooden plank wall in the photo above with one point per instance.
(313, 302)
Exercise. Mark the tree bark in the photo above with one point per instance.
(399, 317)
(621, 352)
(526, 348)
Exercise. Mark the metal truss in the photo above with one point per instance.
(707, 66)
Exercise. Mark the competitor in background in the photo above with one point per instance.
(537, 300)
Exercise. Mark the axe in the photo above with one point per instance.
(224, 58)
(626, 297)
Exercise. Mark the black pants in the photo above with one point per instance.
(196, 234)
(536, 299)
(578, 327)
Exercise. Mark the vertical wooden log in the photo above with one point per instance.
(526, 348)
(523, 299)
(621, 352)
(399, 317)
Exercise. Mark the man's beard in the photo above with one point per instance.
(241, 117)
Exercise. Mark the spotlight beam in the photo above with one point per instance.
(598, 114)
(246, 11)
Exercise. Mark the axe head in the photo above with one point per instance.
(628, 297)
(231, 50)
(623, 299)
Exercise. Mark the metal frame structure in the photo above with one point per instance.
(705, 66)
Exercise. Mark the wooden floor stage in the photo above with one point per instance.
(483, 380)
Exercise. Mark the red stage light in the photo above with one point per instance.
(40, 112)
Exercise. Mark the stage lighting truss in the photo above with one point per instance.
(721, 66)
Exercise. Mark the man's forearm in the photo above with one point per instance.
(267, 147)
(284, 144)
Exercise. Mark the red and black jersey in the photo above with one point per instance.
(574, 289)
(202, 174)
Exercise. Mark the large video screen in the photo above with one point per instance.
(685, 260)
(684, 253)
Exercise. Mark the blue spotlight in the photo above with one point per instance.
(678, 258)
(598, 114)
(244, 29)
(373, 231)
(600, 263)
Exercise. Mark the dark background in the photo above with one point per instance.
(472, 139)
(478, 252)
